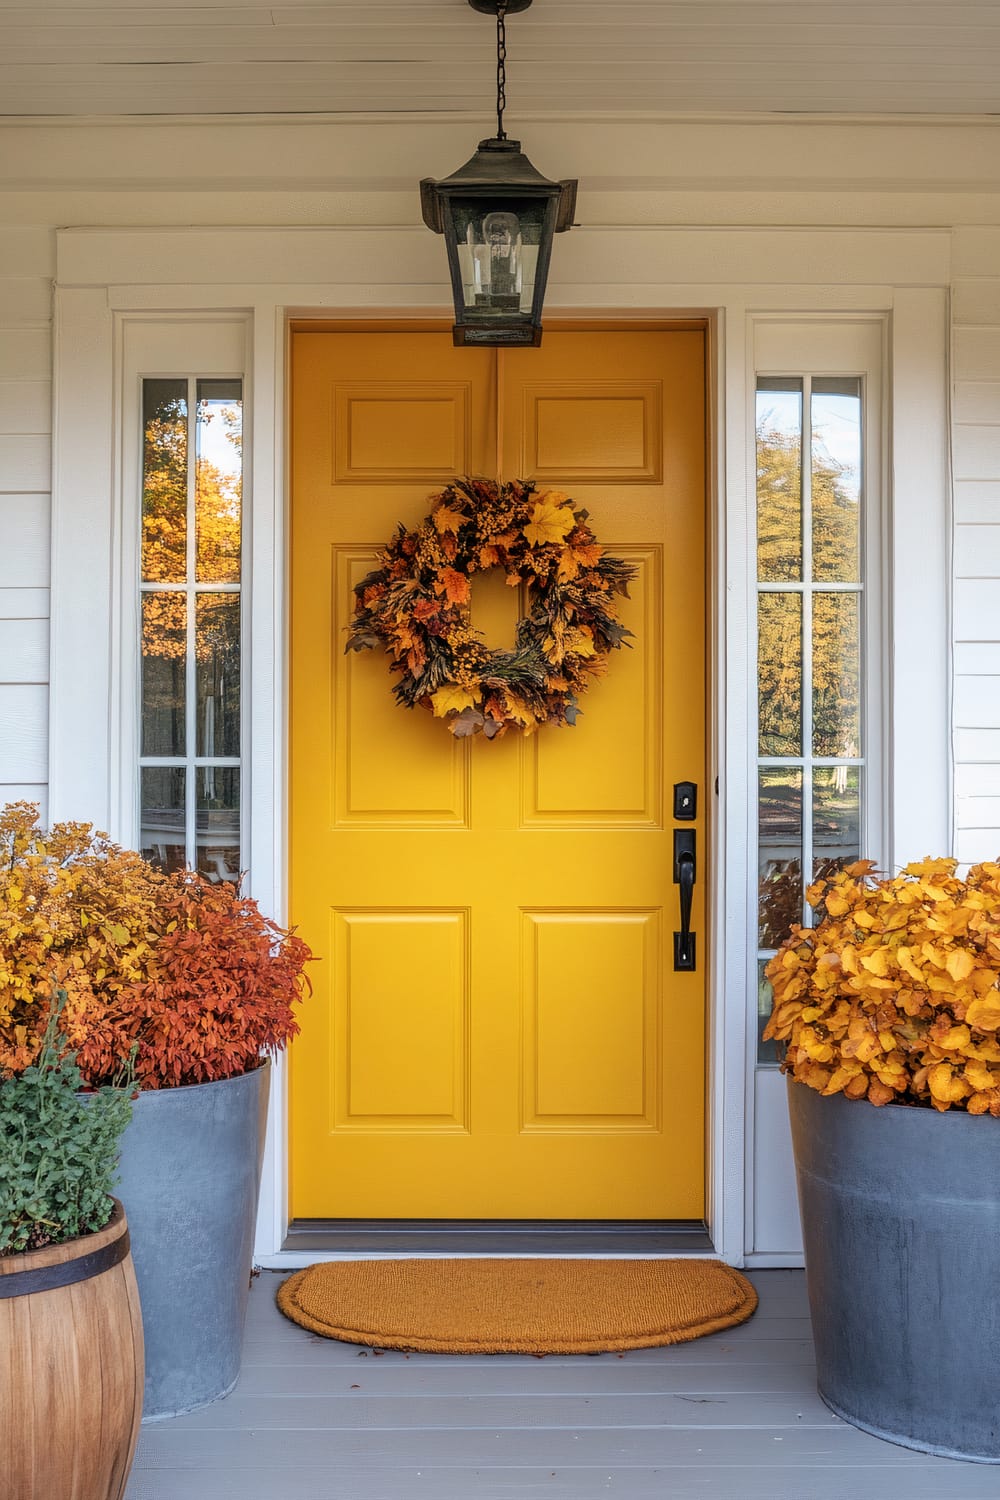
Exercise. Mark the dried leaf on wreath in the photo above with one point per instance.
(446, 519)
(454, 586)
(467, 723)
(366, 642)
(550, 522)
(451, 699)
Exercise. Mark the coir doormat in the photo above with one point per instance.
(517, 1306)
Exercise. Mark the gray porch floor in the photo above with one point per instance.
(731, 1417)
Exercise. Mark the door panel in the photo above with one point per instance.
(497, 1030)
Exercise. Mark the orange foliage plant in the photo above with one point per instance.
(219, 991)
(894, 996)
(187, 975)
(76, 914)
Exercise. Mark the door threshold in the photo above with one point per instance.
(498, 1237)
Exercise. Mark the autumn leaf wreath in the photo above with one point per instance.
(416, 604)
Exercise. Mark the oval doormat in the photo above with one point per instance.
(517, 1306)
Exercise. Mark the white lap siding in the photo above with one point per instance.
(26, 270)
(976, 439)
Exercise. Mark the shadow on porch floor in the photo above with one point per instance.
(731, 1417)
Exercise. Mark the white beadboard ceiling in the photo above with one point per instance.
(227, 56)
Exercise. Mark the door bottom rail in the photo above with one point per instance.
(500, 1236)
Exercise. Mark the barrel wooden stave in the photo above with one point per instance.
(71, 1374)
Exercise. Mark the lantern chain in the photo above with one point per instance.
(501, 67)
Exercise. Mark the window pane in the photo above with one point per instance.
(164, 481)
(217, 628)
(162, 837)
(218, 822)
(836, 479)
(836, 668)
(779, 857)
(218, 480)
(779, 479)
(767, 1052)
(779, 667)
(836, 818)
(164, 648)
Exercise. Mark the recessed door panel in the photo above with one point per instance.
(394, 431)
(401, 1001)
(371, 784)
(609, 770)
(591, 994)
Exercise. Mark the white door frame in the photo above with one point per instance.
(110, 278)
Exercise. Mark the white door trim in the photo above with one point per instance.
(268, 275)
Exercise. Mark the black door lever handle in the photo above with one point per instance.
(685, 873)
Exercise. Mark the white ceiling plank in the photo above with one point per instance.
(743, 53)
(386, 56)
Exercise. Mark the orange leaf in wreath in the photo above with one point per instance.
(448, 520)
(454, 585)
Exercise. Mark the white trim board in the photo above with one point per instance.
(373, 267)
(262, 276)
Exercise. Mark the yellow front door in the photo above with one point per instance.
(497, 1029)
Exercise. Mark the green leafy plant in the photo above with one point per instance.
(58, 1148)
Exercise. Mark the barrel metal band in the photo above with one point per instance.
(67, 1272)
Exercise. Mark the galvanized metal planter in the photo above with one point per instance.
(901, 1221)
(190, 1171)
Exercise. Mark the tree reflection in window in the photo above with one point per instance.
(810, 487)
(192, 496)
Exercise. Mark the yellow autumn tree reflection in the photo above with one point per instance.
(218, 495)
(164, 492)
(218, 498)
(835, 637)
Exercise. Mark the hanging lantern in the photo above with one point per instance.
(498, 215)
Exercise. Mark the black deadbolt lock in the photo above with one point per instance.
(685, 801)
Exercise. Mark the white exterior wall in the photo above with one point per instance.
(976, 443)
(27, 262)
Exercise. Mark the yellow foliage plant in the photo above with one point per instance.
(893, 996)
(76, 914)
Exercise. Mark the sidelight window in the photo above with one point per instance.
(190, 608)
(812, 729)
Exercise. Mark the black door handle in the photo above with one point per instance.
(685, 874)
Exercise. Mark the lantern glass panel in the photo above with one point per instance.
(498, 243)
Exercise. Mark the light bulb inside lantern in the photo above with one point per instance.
(496, 261)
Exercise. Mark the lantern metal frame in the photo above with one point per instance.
(499, 178)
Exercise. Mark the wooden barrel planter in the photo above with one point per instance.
(71, 1368)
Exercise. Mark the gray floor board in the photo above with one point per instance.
(538, 1377)
(311, 1352)
(497, 1447)
(336, 1480)
(416, 1411)
(731, 1417)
